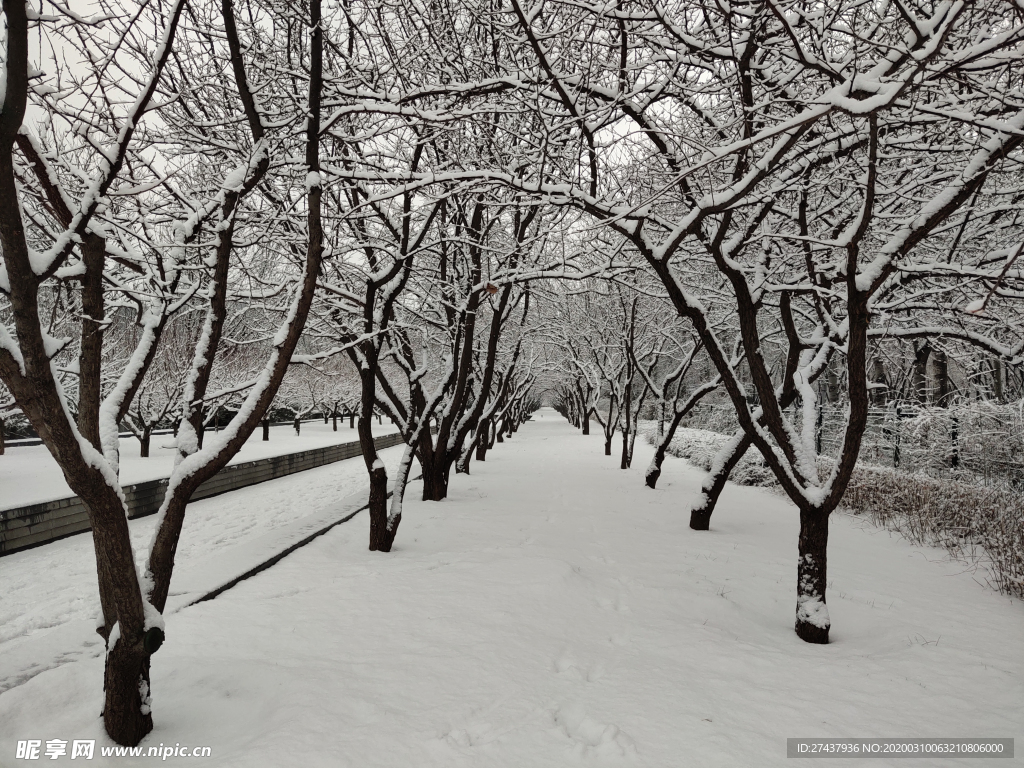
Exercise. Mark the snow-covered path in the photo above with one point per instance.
(555, 612)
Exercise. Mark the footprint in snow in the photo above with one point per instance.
(570, 667)
(590, 738)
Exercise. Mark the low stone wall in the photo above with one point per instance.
(36, 524)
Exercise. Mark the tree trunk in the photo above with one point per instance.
(126, 666)
(942, 389)
(2, 437)
(997, 379)
(147, 432)
(812, 619)
(483, 435)
(127, 716)
(654, 471)
(586, 421)
(386, 538)
(334, 420)
(266, 430)
(607, 444)
(921, 372)
(298, 427)
(381, 539)
(624, 459)
(326, 417)
(352, 420)
(435, 483)
(879, 393)
(714, 483)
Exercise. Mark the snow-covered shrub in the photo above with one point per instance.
(974, 523)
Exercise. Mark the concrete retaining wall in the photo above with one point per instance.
(37, 524)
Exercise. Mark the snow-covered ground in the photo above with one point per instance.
(30, 475)
(48, 595)
(553, 612)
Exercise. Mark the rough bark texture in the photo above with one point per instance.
(381, 538)
(812, 620)
(126, 713)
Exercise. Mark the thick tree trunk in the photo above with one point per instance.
(386, 538)
(266, 430)
(147, 432)
(607, 444)
(326, 417)
(812, 619)
(435, 483)
(381, 538)
(334, 420)
(126, 711)
(352, 420)
(3, 437)
(298, 427)
(586, 421)
(125, 717)
(624, 459)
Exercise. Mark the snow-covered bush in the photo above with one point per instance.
(974, 523)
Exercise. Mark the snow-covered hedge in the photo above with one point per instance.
(976, 524)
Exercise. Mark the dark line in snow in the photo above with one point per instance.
(269, 563)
